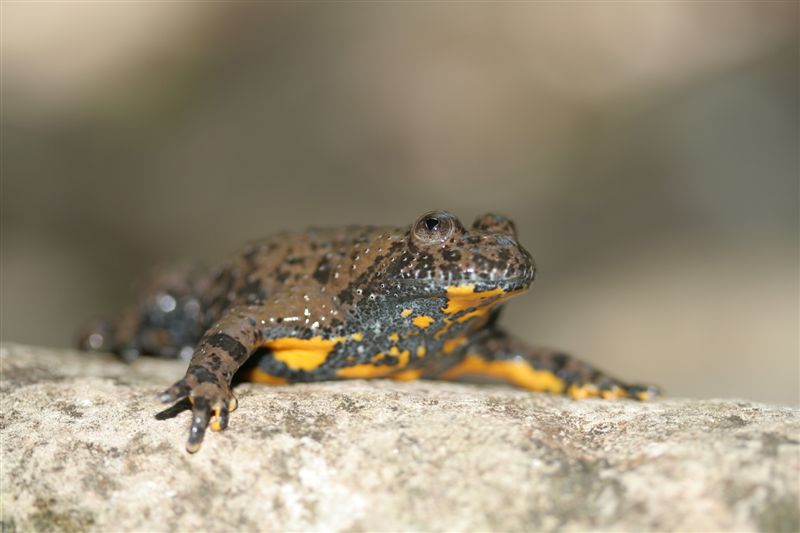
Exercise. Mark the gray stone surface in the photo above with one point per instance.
(82, 450)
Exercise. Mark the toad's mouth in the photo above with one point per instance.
(480, 283)
(475, 290)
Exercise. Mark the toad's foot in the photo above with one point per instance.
(212, 402)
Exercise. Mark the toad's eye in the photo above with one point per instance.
(436, 226)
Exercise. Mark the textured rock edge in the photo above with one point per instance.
(83, 450)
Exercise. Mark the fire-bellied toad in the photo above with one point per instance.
(355, 302)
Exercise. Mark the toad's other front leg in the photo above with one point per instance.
(166, 321)
(220, 352)
(497, 355)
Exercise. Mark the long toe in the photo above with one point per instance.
(201, 413)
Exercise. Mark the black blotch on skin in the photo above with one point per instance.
(254, 292)
(323, 271)
(569, 376)
(204, 375)
(346, 296)
(225, 342)
(560, 359)
(362, 282)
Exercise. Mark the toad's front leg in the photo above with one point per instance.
(499, 356)
(207, 383)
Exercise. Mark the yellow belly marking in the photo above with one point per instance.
(516, 372)
(259, 376)
(422, 321)
(407, 375)
(367, 370)
(463, 297)
(451, 345)
(301, 354)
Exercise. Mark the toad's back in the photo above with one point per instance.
(297, 272)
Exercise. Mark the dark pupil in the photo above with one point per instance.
(431, 223)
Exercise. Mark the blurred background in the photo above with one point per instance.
(647, 151)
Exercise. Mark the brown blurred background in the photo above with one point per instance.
(647, 151)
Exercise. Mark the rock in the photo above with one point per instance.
(83, 450)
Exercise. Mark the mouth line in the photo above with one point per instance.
(515, 283)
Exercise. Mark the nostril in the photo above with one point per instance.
(504, 240)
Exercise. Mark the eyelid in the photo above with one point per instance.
(444, 230)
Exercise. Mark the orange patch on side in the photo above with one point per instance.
(451, 345)
(407, 375)
(394, 337)
(515, 371)
(367, 371)
(421, 350)
(463, 297)
(301, 354)
(358, 337)
(578, 392)
(481, 311)
(406, 312)
(402, 357)
(259, 376)
(613, 394)
(422, 321)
